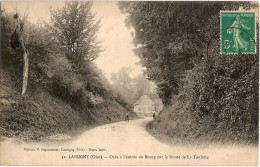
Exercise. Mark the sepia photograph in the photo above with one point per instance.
(129, 83)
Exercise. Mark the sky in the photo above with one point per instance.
(115, 36)
(116, 39)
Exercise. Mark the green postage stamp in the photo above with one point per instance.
(238, 32)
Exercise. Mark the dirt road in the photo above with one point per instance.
(122, 143)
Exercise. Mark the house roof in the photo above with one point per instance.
(144, 100)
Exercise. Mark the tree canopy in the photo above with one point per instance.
(75, 29)
(172, 37)
(179, 44)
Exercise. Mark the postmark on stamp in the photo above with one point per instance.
(238, 32)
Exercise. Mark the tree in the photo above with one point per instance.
(172, 37)
(122, 84)
(180, 48)
(16, 40)
(131, 89)
(75, 29)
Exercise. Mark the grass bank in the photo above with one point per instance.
(37, 115)
(176, 125)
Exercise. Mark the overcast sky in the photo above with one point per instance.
(116, 38)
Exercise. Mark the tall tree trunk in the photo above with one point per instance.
(25, 67)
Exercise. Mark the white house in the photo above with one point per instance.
(144, 106)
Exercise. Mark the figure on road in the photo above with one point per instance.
(127, 117)
(154, 115)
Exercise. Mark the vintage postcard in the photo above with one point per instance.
(129, 83)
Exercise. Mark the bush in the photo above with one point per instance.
(225, 96)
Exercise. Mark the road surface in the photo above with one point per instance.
(122, 143)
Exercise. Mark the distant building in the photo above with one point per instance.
(144, 106)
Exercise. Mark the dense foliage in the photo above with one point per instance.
(61, 68)
(179, 46)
